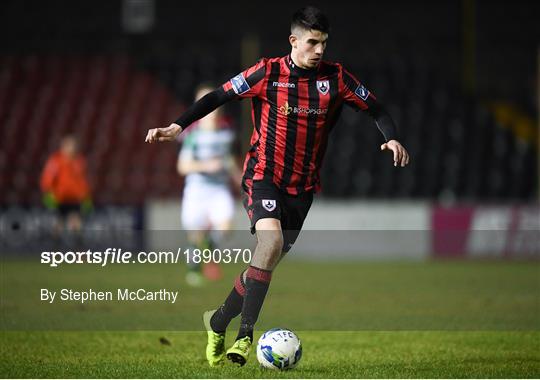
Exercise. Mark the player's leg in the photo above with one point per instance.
(70, 226)
(195, 222)
(294, 213)
(275, 237)
(267, 255)
(198, 212)
(257, 282)
(216, 321)
(220, 213)
(259, 272)
(196, 240)
(74, 221)
(233, 305)
(273, 243)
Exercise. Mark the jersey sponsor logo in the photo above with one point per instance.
(362, 92)
(239, 84)
(269, 204)
(285, 109)
(323, 86)
(283, 84)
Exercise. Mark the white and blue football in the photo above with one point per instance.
(279, 349)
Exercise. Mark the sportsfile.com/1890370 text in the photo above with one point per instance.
(119, 256)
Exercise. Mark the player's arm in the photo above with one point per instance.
(196, 111)
(389, 131)
(246, 84)
(360, 98)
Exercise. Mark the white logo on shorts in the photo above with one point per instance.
(269, 204)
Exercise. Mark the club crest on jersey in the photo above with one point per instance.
(239, 84)
(362, 92)
(269, 204)
(323, 86)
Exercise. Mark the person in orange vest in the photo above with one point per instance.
(65, 185)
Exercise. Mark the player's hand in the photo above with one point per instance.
(401, 156)
(163, 134)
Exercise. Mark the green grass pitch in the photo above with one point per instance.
(370, 320)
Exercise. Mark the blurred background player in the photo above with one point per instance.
(207, 205)
(64, 183)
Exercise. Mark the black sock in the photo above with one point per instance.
(230, 308)
(257, 284)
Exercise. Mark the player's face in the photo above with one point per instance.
(308, 47)
(69, 146)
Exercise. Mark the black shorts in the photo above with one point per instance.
(265, 200)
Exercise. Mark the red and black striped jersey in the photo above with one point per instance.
(293, 111)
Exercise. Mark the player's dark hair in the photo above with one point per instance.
(310, 18)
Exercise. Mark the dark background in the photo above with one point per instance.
(459, 77)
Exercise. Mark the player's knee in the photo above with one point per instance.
(271, 242)
(268, 249)
(269, 237)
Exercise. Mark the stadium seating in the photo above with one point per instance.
(107, 103)
(458, 150)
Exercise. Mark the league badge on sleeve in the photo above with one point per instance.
(362, 92)
(323, 86)
(239, 84)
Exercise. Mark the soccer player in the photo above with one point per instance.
(206, 161)
(296, 101)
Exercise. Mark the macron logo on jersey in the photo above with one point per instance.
(362, 92)
(239, 84)
(283, 84)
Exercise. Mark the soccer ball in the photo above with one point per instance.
(279, 349)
